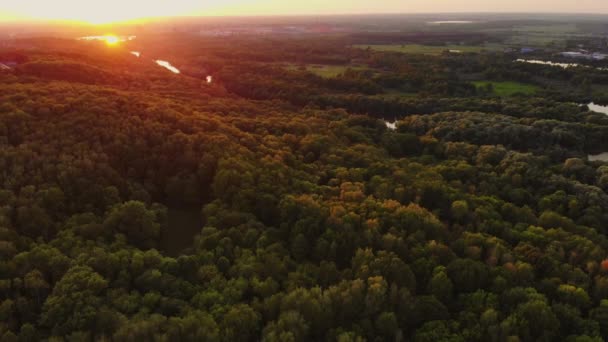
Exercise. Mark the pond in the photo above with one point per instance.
(167, 66)
(391, 125)
(598, 108)
(604, 110)
(598, 157)
(183, 226)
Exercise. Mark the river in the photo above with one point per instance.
(557, 64)
(599, 157)
(536, 61)
(391, 125)
(105, 38)
(167, 66)
(598, 108)
(604, 110)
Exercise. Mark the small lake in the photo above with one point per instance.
(604, 110)
(598, 157)
(391, 125)
(167, 66)
(598, 108)
(183, 226)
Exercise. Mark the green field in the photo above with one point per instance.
(428, 49)
(556, 28)
(508, 88)
(545, 35)
(395, 94)
(327, 71)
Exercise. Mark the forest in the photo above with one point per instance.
(311, 190)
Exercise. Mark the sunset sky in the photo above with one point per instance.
(103, 11)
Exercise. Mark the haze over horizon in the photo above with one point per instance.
(95, 11)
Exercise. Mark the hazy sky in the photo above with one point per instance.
(113, 10)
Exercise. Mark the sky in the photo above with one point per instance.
(105, 11)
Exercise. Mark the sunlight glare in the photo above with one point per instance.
(111, 40)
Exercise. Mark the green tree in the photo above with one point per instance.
(468, 275)
(441, 287)
(600, 315)
(290, 326)
(240, 323)
(387, 326)
(437, 331)
(136, 222)
(74, 301)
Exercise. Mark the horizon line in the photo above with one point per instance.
(141, 20)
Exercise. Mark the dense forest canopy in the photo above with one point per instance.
(276, 201)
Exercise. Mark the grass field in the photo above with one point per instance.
(508, 88)
(397, 94)
(555, 29)
(545, 35)
(327, 71)
(428, 49)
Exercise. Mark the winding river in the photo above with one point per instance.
(167, 66)
(598, 157)
(391, 125)
(105, 38)
(537, 61)
(557, 64)
(604, 110)
(162, 63)
(598, 108)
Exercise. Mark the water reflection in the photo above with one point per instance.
(209, 79)
(105, 38)
(536, 61)
(598, 108)
(136, 53)
(168, 66)
(561, 65)
(598, 157)
(391, 125)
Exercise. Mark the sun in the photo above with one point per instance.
(111, 40)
